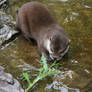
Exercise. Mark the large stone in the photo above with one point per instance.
(7, 27)
(8, 83)
(2, 2)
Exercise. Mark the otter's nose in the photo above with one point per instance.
(57, 58)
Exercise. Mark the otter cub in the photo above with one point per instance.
(37, 23)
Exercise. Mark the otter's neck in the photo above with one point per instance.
(47, 44)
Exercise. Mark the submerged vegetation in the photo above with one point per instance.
(44, 71)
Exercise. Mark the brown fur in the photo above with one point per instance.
(37, 23)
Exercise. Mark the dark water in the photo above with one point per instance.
(75, 16)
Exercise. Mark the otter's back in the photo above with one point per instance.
(36, 14)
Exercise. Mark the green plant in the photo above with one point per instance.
(44, 71)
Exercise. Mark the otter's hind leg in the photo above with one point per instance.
(26, 35)
(21, 25)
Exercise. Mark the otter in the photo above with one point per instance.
(37, 24)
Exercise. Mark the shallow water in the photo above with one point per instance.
(75, 16)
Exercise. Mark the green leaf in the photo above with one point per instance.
(44, 71)
(53, 71)
(53, 64)
(26, 76)
(41, 70)
(43, 59)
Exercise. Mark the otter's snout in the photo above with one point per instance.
(54, 57)
(57, 58)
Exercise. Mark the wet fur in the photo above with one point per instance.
(37, 24)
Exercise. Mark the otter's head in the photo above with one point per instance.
(57, 45)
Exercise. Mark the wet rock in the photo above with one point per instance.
(7, 27)
(2, 2)
(66, 77)
(62, 81)
(8, 83)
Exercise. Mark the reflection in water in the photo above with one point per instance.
(75, 16)
(63, 0)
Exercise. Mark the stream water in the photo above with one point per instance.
(75, 16)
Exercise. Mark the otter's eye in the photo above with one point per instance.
(62, 51)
